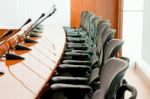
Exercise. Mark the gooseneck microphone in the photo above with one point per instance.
(50, 14)
(29, 20)
(11, 56)
(10, 32)
(25, 34)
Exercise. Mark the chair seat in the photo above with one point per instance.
(69, 66)
(74, 80)
(60, 86)
(77, 62)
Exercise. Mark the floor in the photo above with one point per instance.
(133, 78)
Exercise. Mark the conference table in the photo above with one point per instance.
(28, 78)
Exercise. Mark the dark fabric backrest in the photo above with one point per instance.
(93, 27)
(82, 18)
(111, 48)
(86, 20)
(110, 77)
(107, 35)
(100, 29)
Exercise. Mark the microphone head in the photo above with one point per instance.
(53, 6)
(29, 20)
(52, 12)
(42, 15)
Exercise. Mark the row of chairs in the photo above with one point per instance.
(89, 68)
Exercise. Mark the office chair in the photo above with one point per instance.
(81, 31)
(75, 57)
(110, 77)
(85, 50)
(88, 18)
(69, 30)
(92, 29)
(94, 65)
(71, 46)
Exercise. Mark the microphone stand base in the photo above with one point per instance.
(21, 47)
(27, 40)
(10, 56)
(34, 35)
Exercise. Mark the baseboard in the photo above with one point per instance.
(143, 70)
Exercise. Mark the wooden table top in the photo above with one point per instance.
(25, 79)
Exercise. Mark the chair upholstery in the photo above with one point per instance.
(111, 48)
(110, 78)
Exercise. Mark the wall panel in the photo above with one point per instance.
(108, 9)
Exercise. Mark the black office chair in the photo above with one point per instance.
(80, 68)
(86, 27)
(92, 35)
(108, 51)
(76, 54)
(74, 30)
(85, 61)
(110, 77)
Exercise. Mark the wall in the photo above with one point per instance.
(108, 9)
(146, 33)
(132, 29)
(15, 12)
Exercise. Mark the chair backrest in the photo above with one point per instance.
(93, 27)
(110, 78)
(82, 18)
(100, 24)
(89, 22)
(100, 29)
(107, 35)
(86, 20)
(111, 48)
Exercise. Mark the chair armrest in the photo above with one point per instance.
(60, 86)
(77, 44)
(69, 66)
(70, 29)
(71, 39)
(74, 35)
(78, 55)
(74, 70)
(77, 62)
(77, 47)
(125, 58)
(121, 91)
(84, 51)
(71, 80)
